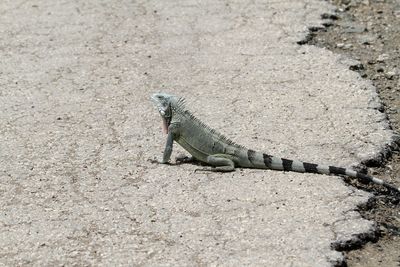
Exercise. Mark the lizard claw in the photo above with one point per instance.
(156, 161)
(184, 159)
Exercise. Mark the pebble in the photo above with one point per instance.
(382, 57)
(329, 16)
(347, 46)
(367, 39)
(353, 28)
(390, 74)
(357, 67)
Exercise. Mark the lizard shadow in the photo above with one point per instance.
(182, 159)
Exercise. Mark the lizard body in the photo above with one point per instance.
(207, 145)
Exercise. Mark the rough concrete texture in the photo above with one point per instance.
(77, 131)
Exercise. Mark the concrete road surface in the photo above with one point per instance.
(77, 133)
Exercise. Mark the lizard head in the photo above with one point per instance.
(164, 103)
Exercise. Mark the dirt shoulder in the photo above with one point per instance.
(369, 31)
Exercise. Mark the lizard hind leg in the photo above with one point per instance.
(221, 163)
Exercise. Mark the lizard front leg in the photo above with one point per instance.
(168, 148)
(172, 134)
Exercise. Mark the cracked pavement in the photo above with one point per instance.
(77, 131)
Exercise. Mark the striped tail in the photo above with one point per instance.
(265, 161)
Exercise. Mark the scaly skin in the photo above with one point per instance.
(211, 147)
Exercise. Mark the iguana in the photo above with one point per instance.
(207, 145)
